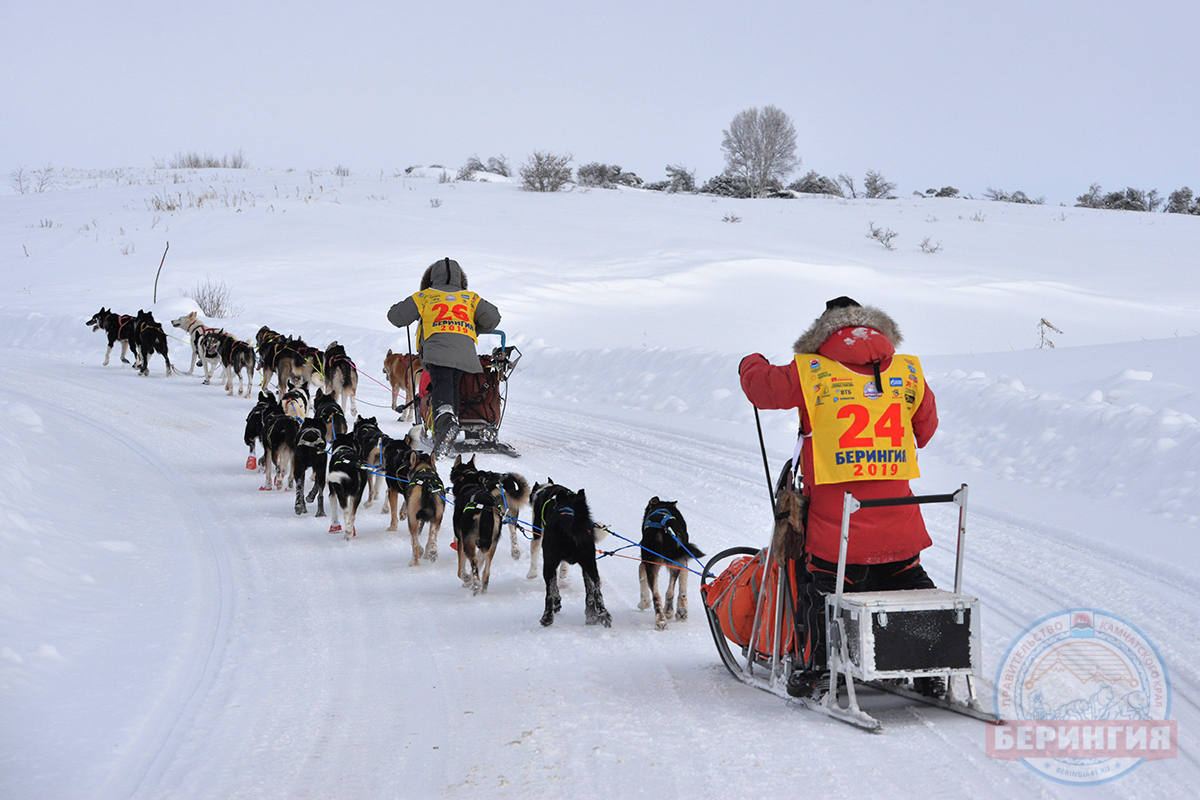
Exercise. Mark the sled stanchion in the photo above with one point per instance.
(961, 496)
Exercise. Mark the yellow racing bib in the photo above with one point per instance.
(446, 312)
(861, 432)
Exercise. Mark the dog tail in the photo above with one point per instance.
(516, 488)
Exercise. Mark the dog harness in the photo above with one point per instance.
(658, 518)
(429, 477)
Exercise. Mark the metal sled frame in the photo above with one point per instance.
(770, 671)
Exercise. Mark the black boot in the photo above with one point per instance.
(930, 686)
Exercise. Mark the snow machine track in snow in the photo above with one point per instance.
(877, 640)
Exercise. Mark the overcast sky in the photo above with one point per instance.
(1045, 97)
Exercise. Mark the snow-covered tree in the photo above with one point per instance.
(760, 148)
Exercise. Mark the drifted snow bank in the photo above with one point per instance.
(1133, 438)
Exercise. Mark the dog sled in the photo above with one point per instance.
(877, 642)
(483, 397)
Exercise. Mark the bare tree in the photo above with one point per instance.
(875, 186)
(760, 148)
(847, 180)
(19, 178)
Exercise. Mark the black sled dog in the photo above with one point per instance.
(256, 423)
(397, 456)
(425, 503)
(119, 328)
(369, 439)
(665, 544)
(563, 526)
(341, 377)
(237, 357)
(310, 454)
(279, 436)
(326, 409)
(477, 523)
(346, 480)
(512, 495)
(151, 339)
(295, 401)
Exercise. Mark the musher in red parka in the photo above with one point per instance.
(858, 437)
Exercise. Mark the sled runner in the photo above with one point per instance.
(482, 397)
(877, 640)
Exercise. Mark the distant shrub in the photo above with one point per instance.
(884, 237)
(679, 179)
(945, 191)
(25, 180)
(846, 180)
(494, 166)
(1093, 198)
(1130, 199)
(194, 160)
(605, 176)
(1181, 201)
(19, 180)
(467, 171)
(813, 183)
(875, 186)
(213, 299)
(725, 185)
(544, 171)
(1002, 196)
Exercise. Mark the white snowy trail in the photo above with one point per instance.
(290, 663)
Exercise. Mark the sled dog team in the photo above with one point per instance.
(302, 433)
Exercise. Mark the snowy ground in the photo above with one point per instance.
(166, 630)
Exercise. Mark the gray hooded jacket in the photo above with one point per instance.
(446, 349)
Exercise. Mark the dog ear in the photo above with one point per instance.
(654, 500)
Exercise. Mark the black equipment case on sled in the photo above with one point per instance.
(482, 398)
(881, 640)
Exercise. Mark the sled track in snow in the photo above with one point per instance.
(156, 741)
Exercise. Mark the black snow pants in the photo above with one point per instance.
(819, 578)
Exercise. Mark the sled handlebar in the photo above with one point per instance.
(878, 502)
(852, 504)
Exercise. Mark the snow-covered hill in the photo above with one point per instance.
(166, 630)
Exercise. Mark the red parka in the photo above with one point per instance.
(858, 337)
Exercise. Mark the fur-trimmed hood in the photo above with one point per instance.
(445, 273)
(855, 316)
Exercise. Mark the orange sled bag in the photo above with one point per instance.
(733, 598)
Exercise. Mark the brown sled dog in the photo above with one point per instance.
(403, 371)
(425, 502)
